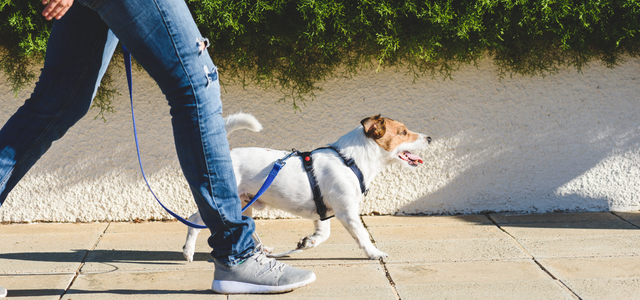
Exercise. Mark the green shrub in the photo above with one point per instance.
(293, 44)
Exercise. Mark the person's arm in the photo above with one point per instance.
(55, 8)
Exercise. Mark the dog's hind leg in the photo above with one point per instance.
(323, 230)
(189, 248)
(352, 223)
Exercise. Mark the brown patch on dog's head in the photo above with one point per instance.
(388, 133)
(374, 127)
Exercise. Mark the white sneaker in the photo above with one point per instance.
(3, 292)
(259, 274)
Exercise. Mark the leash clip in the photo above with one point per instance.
(282, 162)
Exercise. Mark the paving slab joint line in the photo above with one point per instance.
(555, 279)
(623, 219)
(73, 280)
(383, 264)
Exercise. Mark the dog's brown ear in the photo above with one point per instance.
(374, 127)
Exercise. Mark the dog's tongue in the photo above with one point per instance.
(414, 159)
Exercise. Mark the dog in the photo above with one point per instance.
(375, 144)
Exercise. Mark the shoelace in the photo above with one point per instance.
(262, 259)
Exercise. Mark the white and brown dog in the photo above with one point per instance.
(377, 143)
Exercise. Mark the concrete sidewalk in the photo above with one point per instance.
(494, 256)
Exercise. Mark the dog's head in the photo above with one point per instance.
(395, 138)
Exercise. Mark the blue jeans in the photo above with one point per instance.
(162, 36)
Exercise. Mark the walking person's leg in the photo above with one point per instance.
(163, 37)
(78, 52)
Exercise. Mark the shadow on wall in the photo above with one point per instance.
(570, 144)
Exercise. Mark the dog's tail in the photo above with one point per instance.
(240, 121)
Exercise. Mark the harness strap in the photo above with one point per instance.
(307, 162)
(352, 165)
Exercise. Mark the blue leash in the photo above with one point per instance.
(272, 175)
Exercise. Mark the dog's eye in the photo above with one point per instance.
(404, 132)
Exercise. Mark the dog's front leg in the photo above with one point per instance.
(353, 224)
(323, 230)
(189, 247)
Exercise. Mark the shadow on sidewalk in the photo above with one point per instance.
(134, 256)
(59, 292)
(105, 256)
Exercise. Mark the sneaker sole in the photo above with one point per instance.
(235, 287)
(3, 292)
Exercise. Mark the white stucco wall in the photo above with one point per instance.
(527, 144)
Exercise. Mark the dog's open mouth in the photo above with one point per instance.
(411, 159)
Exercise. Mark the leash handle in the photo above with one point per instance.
(127, 64)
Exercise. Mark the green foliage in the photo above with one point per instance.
(293, 44)
(23, 40)
(106, 92)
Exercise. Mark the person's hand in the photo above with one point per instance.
(55, 8)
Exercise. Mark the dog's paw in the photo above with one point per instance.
(377, 254)
(307, 242)
(267, 250)
(188, 253)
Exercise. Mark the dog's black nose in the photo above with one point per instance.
(429, 139)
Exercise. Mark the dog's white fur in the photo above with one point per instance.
(374, 145)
